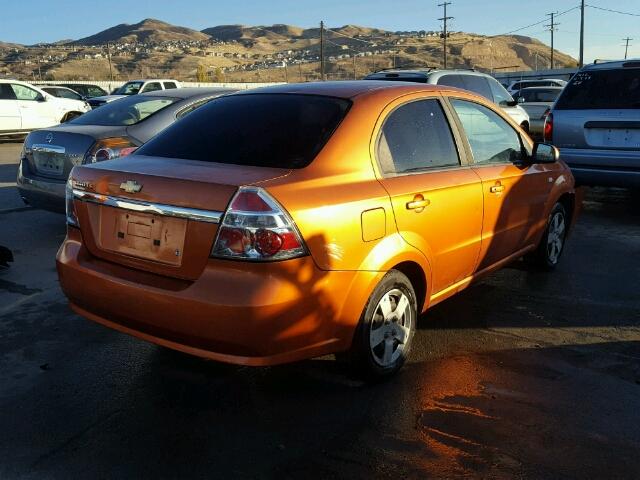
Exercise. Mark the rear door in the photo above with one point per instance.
(514, 190)
(9, 111)
(600, 109)
(35, 110)
(436, 197)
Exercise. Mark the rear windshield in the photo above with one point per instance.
(604, 89)
(123, 112)
(267, 130)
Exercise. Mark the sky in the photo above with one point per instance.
(33, 21)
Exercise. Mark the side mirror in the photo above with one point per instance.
(544, 153)
(41, 98)
(508, 103)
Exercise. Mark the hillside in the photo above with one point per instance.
(146, 31)
(241, 53)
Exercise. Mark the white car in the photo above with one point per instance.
(133, 87)
(25, 107)
(544, 82)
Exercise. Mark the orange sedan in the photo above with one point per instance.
(295, 221)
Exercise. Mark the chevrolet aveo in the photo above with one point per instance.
(300, 220)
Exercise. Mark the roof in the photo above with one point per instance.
(152, 80)
(188, 92)
(550, 87)
(341, 89)
(608, 64)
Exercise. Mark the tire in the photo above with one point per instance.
(551, 246)
(382, 343)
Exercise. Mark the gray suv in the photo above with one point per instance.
(476, 82)
(596, 124)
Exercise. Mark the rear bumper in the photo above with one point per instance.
(603, 167)
(256, 314)
(47, 194)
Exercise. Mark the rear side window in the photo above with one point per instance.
(265, 130)
(6, 92)
(473, 83)
(500, 94)
(604, 89)
(452, 81)
(169, 85)
(416, 136)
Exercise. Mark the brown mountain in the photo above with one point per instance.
(148, 30)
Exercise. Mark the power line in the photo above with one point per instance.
(614, 11)
(444, 31)
(534, 24)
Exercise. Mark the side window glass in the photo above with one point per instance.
(479, 85)
(452, 81)
(416, 136)
(500, 95)
(6, 92)
(152, 87)
(169, 85)
(24, 93)
(491, 138)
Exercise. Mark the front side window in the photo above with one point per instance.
(416, 136)
(123, 112)
(25, 93)
(152, 87)
(479, 85)
(129, 88)
(491, 138)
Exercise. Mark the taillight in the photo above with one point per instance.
(110, 148)
(255, 227)
(70, 208)
(548, 127)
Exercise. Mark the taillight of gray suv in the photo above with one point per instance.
(596, 124)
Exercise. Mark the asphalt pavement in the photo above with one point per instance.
(524, 375)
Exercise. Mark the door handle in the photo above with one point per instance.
(496, 189)
(418, 204)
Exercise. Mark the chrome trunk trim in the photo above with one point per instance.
(208, 216)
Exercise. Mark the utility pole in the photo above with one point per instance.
(300, 72)
(552, 28)
(626, 46)
(355, 75)
(286, 73)
(322, 51)
(581, 34)
(109, 57)
(444, 31)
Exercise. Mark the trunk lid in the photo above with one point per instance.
(158, 214)
(52, 153)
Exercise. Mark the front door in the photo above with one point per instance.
(9, 111)
(35, 110)
(436, 199)
(515, 191)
